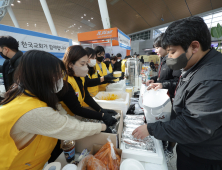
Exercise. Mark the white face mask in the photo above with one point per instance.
(118, 60)
(92, 62)
(80, 71)
(58, 86)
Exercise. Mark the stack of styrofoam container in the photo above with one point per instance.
(114, 104)
(144, 156)
(119, 86)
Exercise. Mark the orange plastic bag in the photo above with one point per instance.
(109, 156)
(91, 163)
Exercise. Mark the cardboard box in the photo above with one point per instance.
(101, 138)
(95, 148)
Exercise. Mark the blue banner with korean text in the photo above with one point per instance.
(30, 40)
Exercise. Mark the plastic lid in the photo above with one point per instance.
(155, 99)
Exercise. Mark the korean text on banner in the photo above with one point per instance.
(30, 40)
(124, 40)
(99, 34)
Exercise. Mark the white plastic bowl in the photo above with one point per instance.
(131, 164)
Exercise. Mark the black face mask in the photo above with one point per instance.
(178, 63)
(5, 57)
(107, 63)
(99, 59)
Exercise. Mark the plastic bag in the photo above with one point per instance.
(91, 163)
(157, 106)
(109, 156)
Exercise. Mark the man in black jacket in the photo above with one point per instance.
(9, 51)
(164, 72)
(198, 126)
(152, 65)
(117, 65)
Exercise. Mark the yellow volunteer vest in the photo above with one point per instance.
(75, 86)
(110, 68)
(123, 66)
(102, 73)
(36, 154)
(92, 90)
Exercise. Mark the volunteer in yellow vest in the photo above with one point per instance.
(120, 65)
(101, 68)
(76, 62)
(123, 65)
(31, 118)
(94, 77)
(108, 62)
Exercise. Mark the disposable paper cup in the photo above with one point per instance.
(117, 74)
(129, 89)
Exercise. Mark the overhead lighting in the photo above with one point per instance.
(84, 14)
(35, 25)
(12, 4)
(19, 1)
(81, 17)
(74, 24)
(80, 26)
(91, 18)
(27, 23)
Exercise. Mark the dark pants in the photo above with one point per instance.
(56, 152)
(191, 162)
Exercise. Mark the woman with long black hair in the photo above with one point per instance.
(31, 118)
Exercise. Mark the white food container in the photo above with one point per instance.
(144, 156)
(114, 104)
(119, 86)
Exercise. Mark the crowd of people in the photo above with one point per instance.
(45, 94)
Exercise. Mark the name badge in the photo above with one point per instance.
(77, 94)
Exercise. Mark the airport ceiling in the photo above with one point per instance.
(73, 16)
